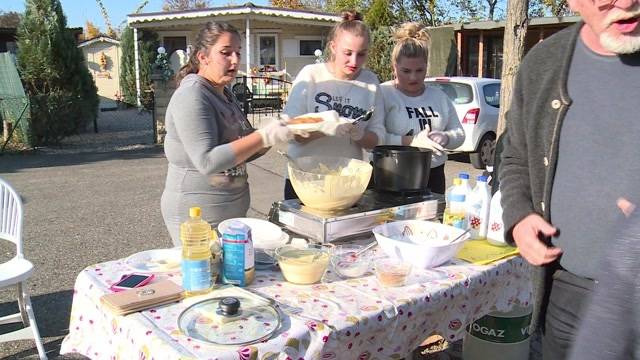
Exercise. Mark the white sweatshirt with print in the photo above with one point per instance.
(315, 89)
(407, 115)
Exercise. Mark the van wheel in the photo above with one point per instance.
(486, 152)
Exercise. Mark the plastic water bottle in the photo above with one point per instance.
(238, 257)
(196, 255)
(478, 205)
(464, 176)
(455, 208)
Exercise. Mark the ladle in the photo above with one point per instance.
(364, 117)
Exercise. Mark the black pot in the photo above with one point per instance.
(402, 169)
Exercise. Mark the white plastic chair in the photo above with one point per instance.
(16, 271)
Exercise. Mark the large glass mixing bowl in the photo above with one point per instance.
(329, 183)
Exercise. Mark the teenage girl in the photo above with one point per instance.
(343, 85)
(414, 114)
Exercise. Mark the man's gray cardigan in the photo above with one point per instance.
(528, 160)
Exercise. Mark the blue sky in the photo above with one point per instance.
(79, 11)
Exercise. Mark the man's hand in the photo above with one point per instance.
(626, 206)
(532, 249)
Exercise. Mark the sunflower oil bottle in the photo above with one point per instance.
(196, 254)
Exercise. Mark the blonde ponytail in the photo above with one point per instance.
(351, 23)
(412, 41)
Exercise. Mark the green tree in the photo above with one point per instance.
(147, 47)
(556, 7)
(380, 14)
(337, 6)
(62, 93)
(379, 60)
(287, 4)
(176, 5)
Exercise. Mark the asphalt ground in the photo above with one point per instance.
(94, 204)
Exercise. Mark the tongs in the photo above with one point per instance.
(364, 117)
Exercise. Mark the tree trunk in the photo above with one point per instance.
(7, 130)
(515, 30)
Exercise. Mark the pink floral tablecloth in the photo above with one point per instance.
(335, 319)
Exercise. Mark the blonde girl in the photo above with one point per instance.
(415, 114)
(341, 84)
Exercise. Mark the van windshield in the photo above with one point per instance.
(458, 93)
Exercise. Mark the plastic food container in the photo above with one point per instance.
(424, 244)
(303, 265)
(349, 265)
(329, 183)
(392, 272)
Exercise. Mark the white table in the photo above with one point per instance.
(336, 319)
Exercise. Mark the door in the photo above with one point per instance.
(268, 51)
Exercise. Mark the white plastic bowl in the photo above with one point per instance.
(428, 247)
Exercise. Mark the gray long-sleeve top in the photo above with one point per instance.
(611, 323)
(200, 125)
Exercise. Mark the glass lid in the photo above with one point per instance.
(230, 320)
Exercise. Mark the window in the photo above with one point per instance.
(492, 94)
(457, 92)
(309, 47)
(267, 50)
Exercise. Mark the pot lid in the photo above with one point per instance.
(230, 320)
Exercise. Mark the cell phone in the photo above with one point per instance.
(131, 281)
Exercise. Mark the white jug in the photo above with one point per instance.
(495, 233)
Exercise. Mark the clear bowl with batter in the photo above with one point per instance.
(329, 183)
(303, 265)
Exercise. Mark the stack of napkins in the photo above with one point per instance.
(480, 252)
(141, 298)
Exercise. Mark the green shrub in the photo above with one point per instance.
(147, 46)
(380, 53)
(52, 67)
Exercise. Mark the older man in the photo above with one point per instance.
(571, 155)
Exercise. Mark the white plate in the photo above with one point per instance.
(156, 261)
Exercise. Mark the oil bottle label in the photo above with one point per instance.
(453, 219)
(196, 274)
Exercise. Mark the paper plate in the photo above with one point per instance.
(156, 261)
